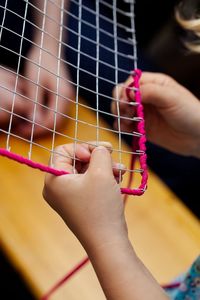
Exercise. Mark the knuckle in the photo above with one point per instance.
(58, 148)
(165, 79)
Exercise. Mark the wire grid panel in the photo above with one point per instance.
(52, 56)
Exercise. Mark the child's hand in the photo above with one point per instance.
(47, 83)
(91, 205)
(89, 201)
(172, 113)
(21, 105)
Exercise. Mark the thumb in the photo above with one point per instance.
(158, 89)
(158, 95)
(101, 160)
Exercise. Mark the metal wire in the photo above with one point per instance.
(118, 34)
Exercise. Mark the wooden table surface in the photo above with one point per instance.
(165, 234)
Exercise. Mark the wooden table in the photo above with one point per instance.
(165, 234)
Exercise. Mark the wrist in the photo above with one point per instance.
(114, 246)
(96, 241)
(47, 42)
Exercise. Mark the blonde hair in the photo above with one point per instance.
(192, 25)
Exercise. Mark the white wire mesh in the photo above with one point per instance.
(94, 48)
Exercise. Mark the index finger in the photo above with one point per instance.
(64, 156)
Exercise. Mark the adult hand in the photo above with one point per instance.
(48, 85)
(172, 113)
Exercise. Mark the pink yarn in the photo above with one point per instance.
(134, 86)
(66, 277)
(30, 163)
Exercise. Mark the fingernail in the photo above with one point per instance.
(100, 148)
(106, 145)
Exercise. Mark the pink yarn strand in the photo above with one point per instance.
(22, 160)
(135, 86)
(72, 272)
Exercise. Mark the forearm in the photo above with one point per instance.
(120, 272)
(49, 17)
